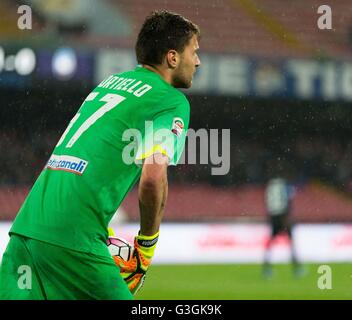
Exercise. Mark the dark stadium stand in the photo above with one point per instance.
(265, 28)
(313, 203)
(271, 28)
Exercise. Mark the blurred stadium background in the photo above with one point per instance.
(283, 87)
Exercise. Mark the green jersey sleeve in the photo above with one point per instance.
(166, 132)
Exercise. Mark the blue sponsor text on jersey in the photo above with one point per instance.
(67, 163)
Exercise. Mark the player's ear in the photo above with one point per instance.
(172, 59)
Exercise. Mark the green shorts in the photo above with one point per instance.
(33, 269)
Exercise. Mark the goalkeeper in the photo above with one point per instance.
(57, 247)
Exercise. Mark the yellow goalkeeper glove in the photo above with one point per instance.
(111, 232)
(133, 271)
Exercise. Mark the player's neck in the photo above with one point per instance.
(160, 71)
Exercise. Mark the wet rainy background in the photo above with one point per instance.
(282, 85)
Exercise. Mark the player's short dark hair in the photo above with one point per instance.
(163, 31)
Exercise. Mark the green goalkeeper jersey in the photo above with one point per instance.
(97, 160)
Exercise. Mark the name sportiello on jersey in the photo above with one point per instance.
(137, 88)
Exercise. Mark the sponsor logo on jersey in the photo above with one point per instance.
(177, 126)
(67, 163)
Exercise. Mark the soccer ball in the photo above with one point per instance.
(120, 247)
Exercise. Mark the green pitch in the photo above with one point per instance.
(242, 282)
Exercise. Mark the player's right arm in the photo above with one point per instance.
(153, 188)
(162, 145)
